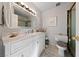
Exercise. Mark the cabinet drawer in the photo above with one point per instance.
(26, 51)
(17, 46)
(14, 47)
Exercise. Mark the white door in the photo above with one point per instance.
(77, 28)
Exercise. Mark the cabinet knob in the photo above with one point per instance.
(37, 41)
(22, 55)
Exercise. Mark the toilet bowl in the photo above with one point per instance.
(61, 44)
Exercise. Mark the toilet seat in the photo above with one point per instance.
(62, 44)
(63, 48)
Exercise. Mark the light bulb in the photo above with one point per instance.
(22, 3)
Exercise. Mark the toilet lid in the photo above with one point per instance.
(62, 44)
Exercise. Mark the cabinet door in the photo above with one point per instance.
(41, 44)
(17, 54)
(29, 50)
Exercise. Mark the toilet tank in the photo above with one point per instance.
(63, 38)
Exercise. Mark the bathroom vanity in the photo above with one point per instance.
(21, 44)
(24, 45)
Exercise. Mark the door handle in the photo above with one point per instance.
(76, 37)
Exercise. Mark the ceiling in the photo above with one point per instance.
(44, 6)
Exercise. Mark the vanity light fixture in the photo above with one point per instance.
(34, 12)
(26, 7)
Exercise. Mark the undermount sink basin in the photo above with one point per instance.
(12, 35)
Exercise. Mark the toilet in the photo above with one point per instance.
(61, 43)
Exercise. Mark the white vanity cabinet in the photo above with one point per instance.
(27, 51)
(30, 45)
(40, 42)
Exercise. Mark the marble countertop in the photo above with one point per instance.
(6, 39)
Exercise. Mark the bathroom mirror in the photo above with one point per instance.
(23, 21)
(16, 16)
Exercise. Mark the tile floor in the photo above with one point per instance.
(52, 51)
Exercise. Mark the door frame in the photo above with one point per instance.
(69, 28)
